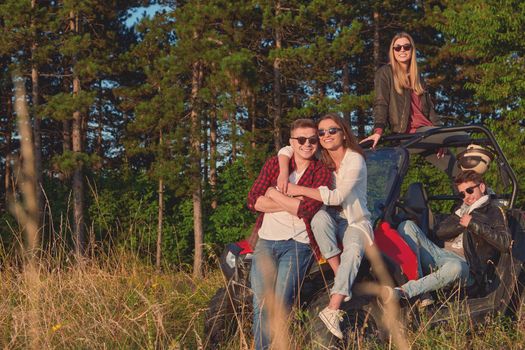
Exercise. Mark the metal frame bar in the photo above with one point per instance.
(408, 140)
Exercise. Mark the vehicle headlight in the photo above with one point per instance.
(230, 259)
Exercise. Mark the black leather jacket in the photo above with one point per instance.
(394, 109)
(485, 238)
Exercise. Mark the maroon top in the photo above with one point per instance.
(417, 119)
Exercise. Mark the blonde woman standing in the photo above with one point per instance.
(403, 103)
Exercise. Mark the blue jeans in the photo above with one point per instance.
(277, 267)
(450, 266)
(330, 227)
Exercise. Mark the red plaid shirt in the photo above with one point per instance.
(316, 175)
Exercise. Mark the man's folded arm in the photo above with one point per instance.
(286, 203)
(267, 205)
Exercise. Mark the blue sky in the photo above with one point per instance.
(140, 12)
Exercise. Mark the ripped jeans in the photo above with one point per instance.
(330, 226)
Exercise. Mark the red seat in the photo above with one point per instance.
(245, 247)
(392, 245)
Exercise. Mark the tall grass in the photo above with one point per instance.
(111, 302)
(118, 301)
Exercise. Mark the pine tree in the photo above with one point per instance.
(155, 100)
(488, 38)
(84, 52)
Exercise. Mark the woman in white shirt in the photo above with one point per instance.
(345, 217)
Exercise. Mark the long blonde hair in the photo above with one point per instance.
(401, 79)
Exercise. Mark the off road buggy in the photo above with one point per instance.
(393, 196)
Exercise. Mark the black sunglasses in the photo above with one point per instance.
(406, 47)
(331, 131)
(469, 190)
(302, 140)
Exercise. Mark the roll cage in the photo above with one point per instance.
(392, 157)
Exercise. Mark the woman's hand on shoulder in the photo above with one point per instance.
(374, 137)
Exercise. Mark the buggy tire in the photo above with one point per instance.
(515, 306)
(220, 323)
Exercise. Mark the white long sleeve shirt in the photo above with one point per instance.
(350, 190)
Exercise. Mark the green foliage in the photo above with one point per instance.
(231, 221)
(68, 161)
(179, 245)
(62, 106)
(436, 182)
(511, 138)
(124, 209)
(491, 34)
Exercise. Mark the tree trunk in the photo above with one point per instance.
(78, 180)
(277, 103)
(99, 148)
(253, 115)
(66, 123)
(27, 213)
(213, 157)
(66, 135)
(78, 174)
(8, 182)
(346, 91)
(37, 134)
(160, 224)
(377, 44)
(197, 75)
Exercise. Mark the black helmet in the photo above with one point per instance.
(475, 158)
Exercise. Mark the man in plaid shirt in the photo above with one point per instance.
(285, 243)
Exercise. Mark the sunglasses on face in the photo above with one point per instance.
(406, 47)
(469, 190)
(302, 140)
(331, 131)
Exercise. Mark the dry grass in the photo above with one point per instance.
(112, 302)
(120, 302)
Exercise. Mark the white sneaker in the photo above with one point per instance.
(331, 319)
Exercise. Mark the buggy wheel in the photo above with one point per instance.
(228, 309)
(515, 306)
(220, 323)
(358, 322)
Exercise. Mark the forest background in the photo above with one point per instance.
(149, 133)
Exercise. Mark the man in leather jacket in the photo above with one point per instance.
(475, 235)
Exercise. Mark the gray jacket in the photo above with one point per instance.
(391, 108)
